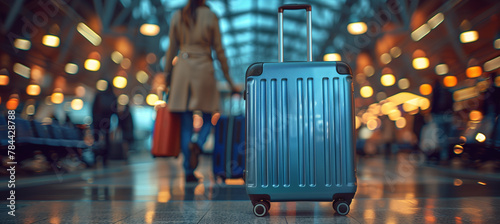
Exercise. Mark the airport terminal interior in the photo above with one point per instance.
(425, 116)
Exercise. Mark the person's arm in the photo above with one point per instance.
(221, 56)
(173, 47)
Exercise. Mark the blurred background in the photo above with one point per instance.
(425, 71)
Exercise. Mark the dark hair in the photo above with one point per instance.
(188, 14)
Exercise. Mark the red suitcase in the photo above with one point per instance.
(166, 134)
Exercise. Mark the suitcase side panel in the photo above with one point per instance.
(300, 132)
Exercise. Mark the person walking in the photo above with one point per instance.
(103, 108)
(194, 32)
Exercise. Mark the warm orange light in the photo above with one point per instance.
(458, 149)
(120, 82)
(4, 80)
(480, 137)
(357, 28)
(151, 99)
(425, 89)
(457, 182)
(332, 57)
(372, 124)
(474, 71)
(469, 36)
(57, 98)
(50, 41)
(475, 115)
(358, 122)
(366, 91)
(450, 81)
(149, 29)
(424, 103)
(77, 104)
(420, 63)
(388, 80)
(33, 90)
(12, 104)
(92, 65)
(401, 122)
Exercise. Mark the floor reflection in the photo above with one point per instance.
(398, 189)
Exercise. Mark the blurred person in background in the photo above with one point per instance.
(103, 108)
(491, 110)
(126, 123)
(441, 111)
(194, 32)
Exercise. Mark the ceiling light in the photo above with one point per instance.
(89, 34)
(101, 85)
(425, 89)
(420, 32)
(332, 57)
(92, 65)
(117, 57)
(33, 90)
(71, 68)
(388, 80)
(150, 29)
(120, 82)
(441, 69)
(474, 71)
(22, 70)
(450, 81)
(77, 104)
(50, 41)
(142, 76)
(22, 44)
(366, 91)
(492, 64)
(151, 99)
(469, 36)
(357, 28)
(420, 63)
(404, 83)
(436, 20)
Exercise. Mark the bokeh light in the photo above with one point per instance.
(76, 104)
(388, 80)
(151, 99)
(102, 85)
(474, 71)
(366, 91)
(480, 137)
(425, 89)
(450, 81)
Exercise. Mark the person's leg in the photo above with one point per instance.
(186, 133)
(205, 130)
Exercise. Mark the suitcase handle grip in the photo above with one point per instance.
(294, 7)
(308, 9)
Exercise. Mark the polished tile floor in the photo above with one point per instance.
(401, 189)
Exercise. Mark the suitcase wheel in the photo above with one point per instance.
(341, 207)
(261, 208)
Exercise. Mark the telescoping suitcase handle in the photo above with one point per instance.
(280, 28)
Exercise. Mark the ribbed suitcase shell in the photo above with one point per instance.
(300, 131)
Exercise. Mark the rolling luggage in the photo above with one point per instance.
(167, 133)
(229, 147)
(299, 130)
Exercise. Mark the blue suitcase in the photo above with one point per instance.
(299, 131)
(229, 147)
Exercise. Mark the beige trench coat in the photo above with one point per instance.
(193, 84)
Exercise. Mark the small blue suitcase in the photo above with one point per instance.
(299, 130)
(229, 147)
